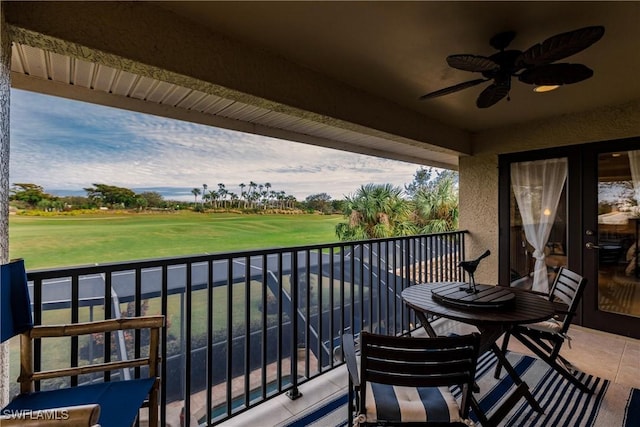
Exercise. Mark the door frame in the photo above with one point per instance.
(582, 212)
(595, 318)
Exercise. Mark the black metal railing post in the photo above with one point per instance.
(294, 393)
(209, 352)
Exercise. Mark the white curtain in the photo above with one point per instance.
(537, 187)
(634, 162)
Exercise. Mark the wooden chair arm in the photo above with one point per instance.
(560, 307)
(110, 325)
(86, 369)
(349, 354)
(69, 416)
(542, 294)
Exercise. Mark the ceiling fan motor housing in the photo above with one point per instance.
(506, 61)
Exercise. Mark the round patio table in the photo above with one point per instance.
(527, 307)
(491, 321)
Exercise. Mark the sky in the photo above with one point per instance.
(65, 146)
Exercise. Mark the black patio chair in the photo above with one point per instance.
(119, 401)
(545, 339)
(406, 380)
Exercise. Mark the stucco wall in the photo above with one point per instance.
(479, 211)
(612, 122)
(5, 86)
(479, 173)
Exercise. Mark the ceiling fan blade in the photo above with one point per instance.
(561, 46)
(472, 63)
(452, 89)
(493, 94)
(556, 74)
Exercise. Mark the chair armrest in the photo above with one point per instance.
(539, 293)
(560, 307)
(349, 354)
(110, 325)
(69, 416)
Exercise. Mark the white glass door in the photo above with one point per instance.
(593, 229)
(618, 272)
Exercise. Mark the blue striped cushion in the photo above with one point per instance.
(410, 404)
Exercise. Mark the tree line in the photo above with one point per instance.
(429, 204)
(33, 196)
(251, 196)
(256, 196)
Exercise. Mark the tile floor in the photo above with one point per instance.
(605, 355)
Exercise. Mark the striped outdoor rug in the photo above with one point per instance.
(610, 405)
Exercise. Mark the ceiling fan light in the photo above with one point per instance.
(545, 88)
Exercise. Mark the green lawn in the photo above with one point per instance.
(102, 237)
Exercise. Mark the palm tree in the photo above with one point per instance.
(204, 192)
(243, 195)
(267, 186)
(252, 189)
(280, 195)
(234, 199)
(222, 192)
(291, 202)
(436, 205)
(273, 196)
(213, 196)
(196, 193)
(375, 211)
(261, 194)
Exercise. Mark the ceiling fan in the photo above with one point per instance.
(533, 66)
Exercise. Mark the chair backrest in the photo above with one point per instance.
(568, 288)
(15, 306)
(418, 362)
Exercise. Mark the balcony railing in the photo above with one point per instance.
(245, 326)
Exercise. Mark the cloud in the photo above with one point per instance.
(63, 144)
